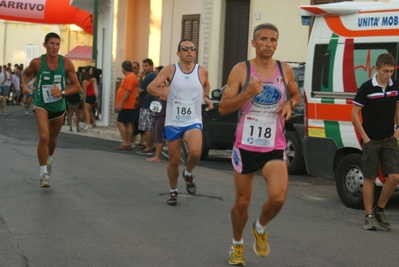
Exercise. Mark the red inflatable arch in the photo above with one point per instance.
(46, 11)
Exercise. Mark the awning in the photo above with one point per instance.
(80, 53)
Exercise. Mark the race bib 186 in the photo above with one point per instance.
(183, 110)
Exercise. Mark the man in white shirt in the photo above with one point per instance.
(5, 81)
(16, 85)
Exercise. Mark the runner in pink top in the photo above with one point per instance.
(265, 92)
(260, 129)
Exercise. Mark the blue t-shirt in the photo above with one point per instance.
(147, 98)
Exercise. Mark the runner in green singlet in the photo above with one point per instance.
(52, 72)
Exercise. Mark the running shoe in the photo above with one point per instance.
(190, 185)
(382, 220)
(141, 145)
(236, 255)
(261, 245)
(44, 180)
(369, 224)
(49, 168)
(87, 127)
(172, 200)
(146, 152)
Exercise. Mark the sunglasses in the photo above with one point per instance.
(186, 48)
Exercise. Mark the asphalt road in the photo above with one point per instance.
(108, 208)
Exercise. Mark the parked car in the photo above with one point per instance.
(219, 131)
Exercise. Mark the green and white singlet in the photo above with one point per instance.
(45, 81)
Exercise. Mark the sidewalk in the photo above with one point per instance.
(103, 132)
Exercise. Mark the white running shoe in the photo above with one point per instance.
(44, 180)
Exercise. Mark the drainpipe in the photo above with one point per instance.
(95, 26)
(5, 41)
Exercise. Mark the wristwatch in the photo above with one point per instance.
(293, 104)
(63, 93)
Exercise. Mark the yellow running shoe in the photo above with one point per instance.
(236, 255)
(261, 245)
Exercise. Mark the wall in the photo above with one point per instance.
(105, 61)
(293, 37)
(171, 27)
(15, 36)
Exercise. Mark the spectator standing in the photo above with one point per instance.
(146, 120)
(89, 97)
(29, 96)
(136, 112)
(73, 104)
(5, 81)
(3, 93)
(124, 105)
(16, 85)
(159, 127)
(378, 102)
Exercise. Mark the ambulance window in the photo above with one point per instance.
(365, 56)
(321, 63)
(357, 62)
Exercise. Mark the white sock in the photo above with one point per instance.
(173, 190)
(43, 169)
(241, 242)
(186, 173)
(259, 228)
(50, 158)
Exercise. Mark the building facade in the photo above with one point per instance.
(221, 29)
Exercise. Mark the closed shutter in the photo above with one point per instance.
(190, 29)
(31, 51)
(236, 35)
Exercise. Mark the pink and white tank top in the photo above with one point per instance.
(260, 129)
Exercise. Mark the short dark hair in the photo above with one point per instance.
(184, 40)
(84, 76)
(148, 61)
(51, 35)
(135, 62)
(268, 26)
(159, 68)
(127, 66)
(385, 59)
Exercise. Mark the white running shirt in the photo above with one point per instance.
(183, 107)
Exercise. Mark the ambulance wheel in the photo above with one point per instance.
(350, 180)
(293, 151)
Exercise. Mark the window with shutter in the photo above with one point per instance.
(236, 35)
(31, 51)
(190, 29)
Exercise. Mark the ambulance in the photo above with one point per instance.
(345, 41)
